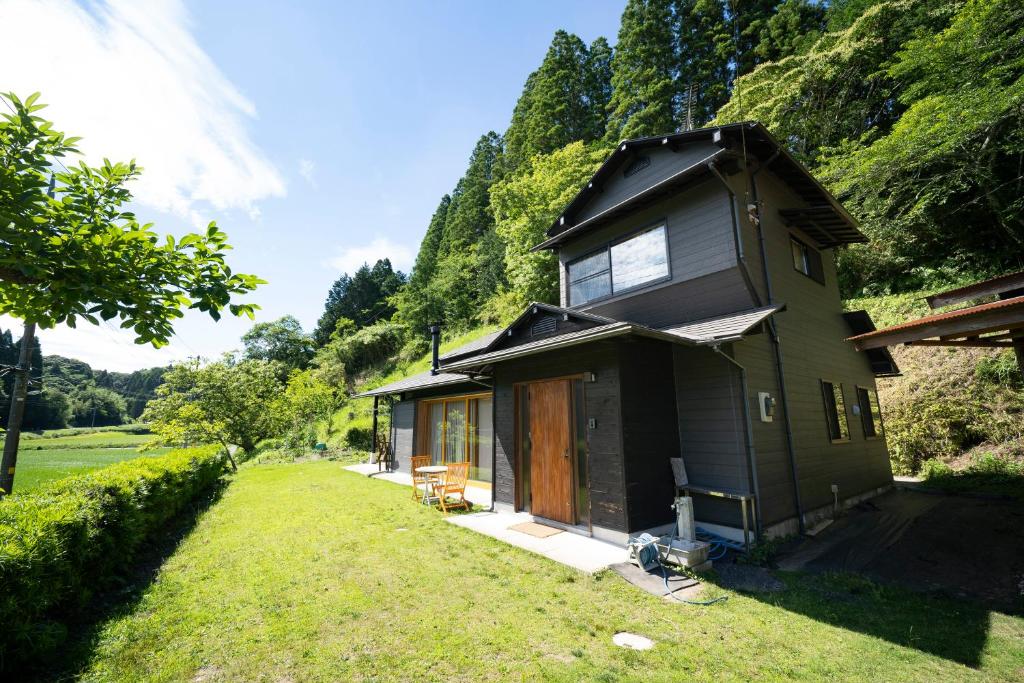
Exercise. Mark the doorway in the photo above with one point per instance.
(552, 459)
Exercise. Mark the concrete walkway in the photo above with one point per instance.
(575, 550)
(474, 494)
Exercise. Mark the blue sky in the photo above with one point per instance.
(317, 134)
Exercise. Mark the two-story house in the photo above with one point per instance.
(699, 318)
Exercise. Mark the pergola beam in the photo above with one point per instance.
(969, 343)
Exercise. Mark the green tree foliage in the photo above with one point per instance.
(468, 266)
(228, 402)
(840, 88)
(95, 258)
(563, 101)
(794, 27)
(644, 68)
(944, 186)
(308, 401)
(97, 406)
(525, 206)
(136, 387)
(363, 298)
(282, 341)
(349, 354)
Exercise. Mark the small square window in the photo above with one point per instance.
(835, 411)
(807, 260)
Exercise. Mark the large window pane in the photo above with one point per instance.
(481, 430)
(590, 289)
(588, 265)
(455, 432)
(639, 259)
(436, 432)
(589, 278)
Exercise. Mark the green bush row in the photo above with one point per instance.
(60, 542)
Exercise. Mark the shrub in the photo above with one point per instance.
(359, 438)
(60, 542)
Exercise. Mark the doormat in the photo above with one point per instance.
(536, 530)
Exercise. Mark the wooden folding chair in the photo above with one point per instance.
(454, 485)
(417, 478)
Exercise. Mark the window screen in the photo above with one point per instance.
(642, 258)
(807, 260)
(835, 411)
(870, 411)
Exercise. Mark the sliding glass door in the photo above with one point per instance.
(458, 429)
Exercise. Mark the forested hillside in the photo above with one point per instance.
(68, 392)
(910, 111)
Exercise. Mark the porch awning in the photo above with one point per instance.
(996, 324)
(723, 328)
(421, 381)
(718, 330)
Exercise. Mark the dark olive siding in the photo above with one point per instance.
(663, 163)
(812, 333)
(601, 403)
(774, 475)
(704, 280)
(650, 431)
(712, 431)
(403, 417)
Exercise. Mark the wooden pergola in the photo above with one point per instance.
(994, 324)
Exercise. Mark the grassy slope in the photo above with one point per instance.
(38, 466)
(103, 439)
(359, 412)
(334, 591)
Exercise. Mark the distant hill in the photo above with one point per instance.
(68, 392)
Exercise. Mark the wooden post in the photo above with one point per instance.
(376, 450)
(1018, 349)
(18, 393)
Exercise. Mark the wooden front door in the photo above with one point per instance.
(550, 452)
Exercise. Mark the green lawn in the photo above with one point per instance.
(38, 466)
(309, 573)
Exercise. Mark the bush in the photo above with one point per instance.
(60, 542)
(986, 473)
(358, 438)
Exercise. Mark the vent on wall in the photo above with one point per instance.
(543, 325)
(639, 164)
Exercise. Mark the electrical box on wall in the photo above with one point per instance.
(766, 402)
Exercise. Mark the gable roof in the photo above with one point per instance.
(824, 218)
(471, 347)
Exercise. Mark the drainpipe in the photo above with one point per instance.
(777, 345)
(751, 458)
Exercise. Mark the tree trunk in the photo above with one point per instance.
(17, 414)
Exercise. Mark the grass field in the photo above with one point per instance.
(99, 439)
(38, 466)
(309, 573)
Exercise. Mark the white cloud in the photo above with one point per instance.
(350, 258)
(130, 79)
(307, 169)
(104, 346)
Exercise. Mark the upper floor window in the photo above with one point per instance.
(870, 411)
(634, 261)
(807, 260)
(835, 411)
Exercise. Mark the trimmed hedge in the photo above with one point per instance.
(60, 542)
